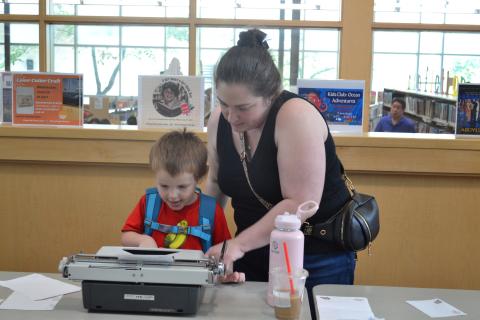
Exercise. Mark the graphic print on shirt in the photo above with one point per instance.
(176, 240)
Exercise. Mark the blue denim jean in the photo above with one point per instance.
(328, 268)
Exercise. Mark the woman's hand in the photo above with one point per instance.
(235, 277)
(232, 253)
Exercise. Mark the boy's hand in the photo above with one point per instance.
(147, 242)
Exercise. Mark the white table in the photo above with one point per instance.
(389, 302)
(237, 301)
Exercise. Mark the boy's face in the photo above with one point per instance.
(178, 191)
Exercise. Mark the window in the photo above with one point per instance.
(428, 11)
(123, 8)
(412, 59)
(317, 51)
(313, 10)
(25, 7)
(112, 42)
(411, 65)
(19, 47)
(111, 57)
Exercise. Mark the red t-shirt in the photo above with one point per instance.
(170, 217)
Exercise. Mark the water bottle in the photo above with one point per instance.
(287, 229)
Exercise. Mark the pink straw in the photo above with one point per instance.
(289, 268)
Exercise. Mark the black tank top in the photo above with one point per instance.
(263, 174)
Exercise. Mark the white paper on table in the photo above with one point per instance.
(37, 287)
(18, 301)
(436, 308)
(338, 308)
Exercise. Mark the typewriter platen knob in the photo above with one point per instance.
(62, 266)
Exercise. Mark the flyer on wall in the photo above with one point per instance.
(47, 99)
(170, 102)
(468, 110)
(340, 102)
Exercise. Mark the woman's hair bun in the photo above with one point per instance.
(252, 38)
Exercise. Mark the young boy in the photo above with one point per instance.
(179, 161)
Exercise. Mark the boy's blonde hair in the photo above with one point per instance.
(179, 151)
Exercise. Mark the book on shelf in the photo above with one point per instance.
(170, 101)
(468, 110)
(47, 99)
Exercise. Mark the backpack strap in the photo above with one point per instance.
(207, 218)
(153, 203)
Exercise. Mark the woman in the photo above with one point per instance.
(290, 158)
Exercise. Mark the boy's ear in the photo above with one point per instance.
(203, 177)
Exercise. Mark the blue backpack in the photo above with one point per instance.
(202, 231)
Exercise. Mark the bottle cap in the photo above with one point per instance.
(287, 221)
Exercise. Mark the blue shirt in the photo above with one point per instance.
(404, 125)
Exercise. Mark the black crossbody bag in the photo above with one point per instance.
(352, 228)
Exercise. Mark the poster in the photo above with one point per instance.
(468, 109)
(109, 109)
(170, 102)
(47, 99)
(6, 97)
(340, 101)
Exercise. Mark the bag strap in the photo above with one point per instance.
(346, 179)
(206, 218)
(324, 230)
(152, 208)
(243, 159)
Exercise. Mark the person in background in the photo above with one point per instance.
(179, 161)
(290, 157)
(132, 120)
(208, 105)
(395, 121)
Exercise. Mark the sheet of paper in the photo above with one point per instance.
(37, 287)
(18, 301)
(343, 308)
(436, 308)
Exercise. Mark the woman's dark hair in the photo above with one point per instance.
(401, 101)
(250, 63)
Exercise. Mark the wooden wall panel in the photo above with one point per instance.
(56, 203)
(429, 227)
(52, 210)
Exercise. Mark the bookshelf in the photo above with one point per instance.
(432, 113)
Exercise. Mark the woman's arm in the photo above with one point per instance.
(300, 135)
(212, 187)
